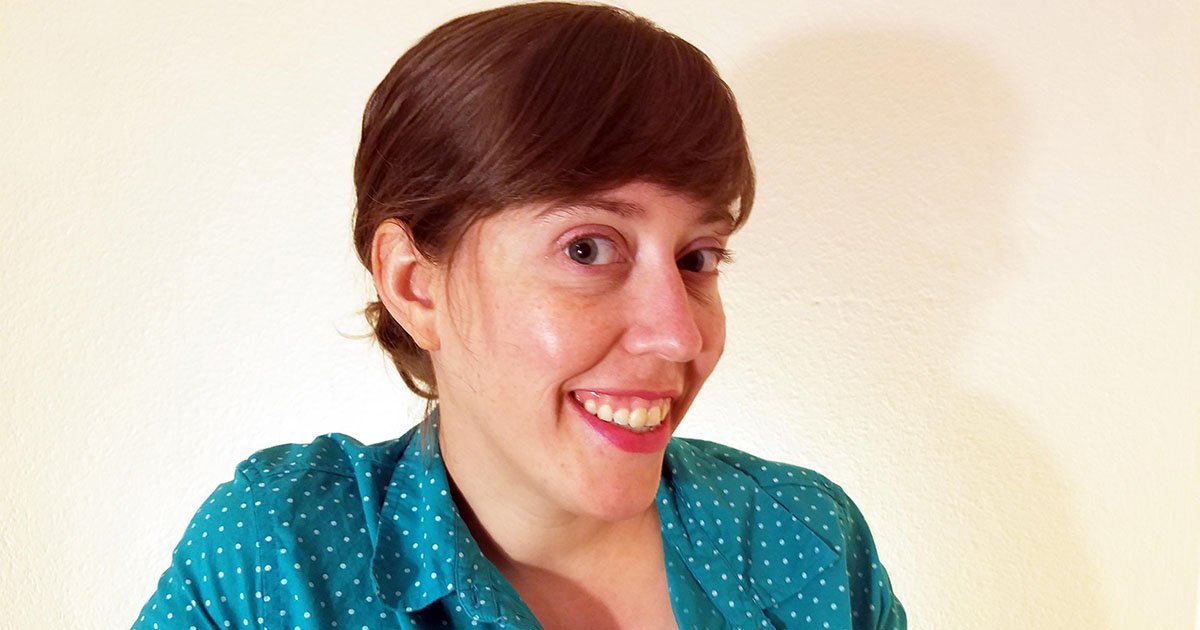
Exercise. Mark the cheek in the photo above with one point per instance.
(546, 336)
(563, 333)
(712, 328)
(551, 334)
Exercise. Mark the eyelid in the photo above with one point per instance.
(723, 257)
(614, 240)
(591, 231)
(613, 236)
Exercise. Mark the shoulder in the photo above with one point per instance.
(799, 536)
(802, 491)
(274, 484)
(334, 480)
(334, 454)
(331, 467)
(282, 504)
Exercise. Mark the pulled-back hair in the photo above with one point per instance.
(532, 103)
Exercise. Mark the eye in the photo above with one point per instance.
(592, 250)
(704, 260)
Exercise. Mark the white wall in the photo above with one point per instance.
(969, 292)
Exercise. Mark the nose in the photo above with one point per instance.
(662, 316)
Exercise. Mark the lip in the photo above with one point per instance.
(633, 393)
(624, 439)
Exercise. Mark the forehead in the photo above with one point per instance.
(631, 202)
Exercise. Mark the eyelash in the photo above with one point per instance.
(723, 255)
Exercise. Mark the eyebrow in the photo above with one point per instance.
(712, 214)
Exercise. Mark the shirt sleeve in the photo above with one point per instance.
(213, 578)
(870, 586)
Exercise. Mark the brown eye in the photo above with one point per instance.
(591, 250)
(702, 260)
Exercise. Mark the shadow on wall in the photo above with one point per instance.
(885, 159)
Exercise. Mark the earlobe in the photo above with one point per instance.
(405, 282)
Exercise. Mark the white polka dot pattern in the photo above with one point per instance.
(336, 534)
(769, 545)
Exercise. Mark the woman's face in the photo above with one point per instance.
(566, 327)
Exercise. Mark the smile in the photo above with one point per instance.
(640, 415)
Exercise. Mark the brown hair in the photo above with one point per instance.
(530, 103)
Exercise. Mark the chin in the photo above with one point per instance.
(618, 502)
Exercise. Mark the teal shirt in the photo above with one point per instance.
(337, 534)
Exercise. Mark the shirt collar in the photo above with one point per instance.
(710, 512)
(713, 513)
(424, 550)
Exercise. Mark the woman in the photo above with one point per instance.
(545, 194)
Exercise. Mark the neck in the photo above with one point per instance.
(517, 528)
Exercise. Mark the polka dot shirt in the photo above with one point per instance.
(337, 534)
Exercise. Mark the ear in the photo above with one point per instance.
(405, 281)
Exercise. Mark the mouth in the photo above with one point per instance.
(636, 413)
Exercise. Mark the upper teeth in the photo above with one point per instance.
(635, 413)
